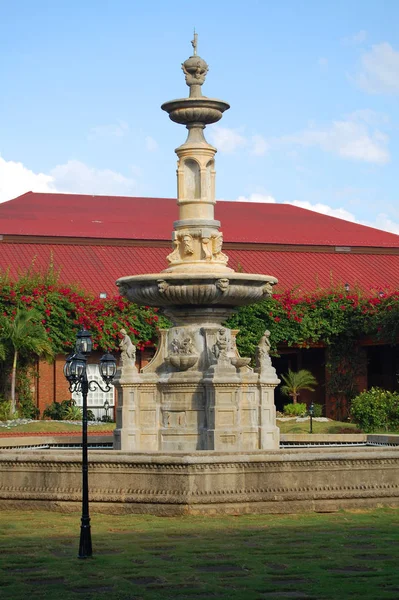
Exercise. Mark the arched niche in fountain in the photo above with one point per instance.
(210, 180)
(192, 180)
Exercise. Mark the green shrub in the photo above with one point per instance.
(57, 410)
(295, 410)
(106, 419)
(66, 411)
(376, 410)
(5, 410)
(27, 408)
(318, 410)
(73, 413)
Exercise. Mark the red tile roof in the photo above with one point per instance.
(107, 217)
(96, 267)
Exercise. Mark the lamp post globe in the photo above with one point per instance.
(84, 343)
(107, 367)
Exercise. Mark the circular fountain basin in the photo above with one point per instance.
(196, 289)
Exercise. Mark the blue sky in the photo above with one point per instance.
(313, 88)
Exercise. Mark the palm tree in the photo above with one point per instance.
(294, 382)
(23, 336)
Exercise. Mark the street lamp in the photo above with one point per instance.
(75, 372)
(311, 415)
(106, 408)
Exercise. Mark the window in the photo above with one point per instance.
(96, 399)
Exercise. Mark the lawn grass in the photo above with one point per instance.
(285, 427)
(315, 556)
(54, 426)
(318, 427)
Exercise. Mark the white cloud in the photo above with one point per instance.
(15, 179)
(324, 209)
(118, 130)
(385, 223)
(371, 117)
(151, 144)
(227, 140)
(76, 177)
(267, 199)
(379, 70)
(382, 221)
(350, 138)
(72, 177)
(259, 145)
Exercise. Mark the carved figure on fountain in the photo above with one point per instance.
(263, 360)
(217, 248)
(195, 70)
(223, 345)
(128, 351)
(174, 256)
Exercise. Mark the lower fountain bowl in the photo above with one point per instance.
(182, 362)
(196, 289)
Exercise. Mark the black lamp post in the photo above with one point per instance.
(311, 415)
(106, 408)
(76, 373)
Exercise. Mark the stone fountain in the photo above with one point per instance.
(197, 393)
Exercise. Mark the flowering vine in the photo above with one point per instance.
(65, 309)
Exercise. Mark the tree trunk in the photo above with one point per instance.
(13, 380)
(294, 397)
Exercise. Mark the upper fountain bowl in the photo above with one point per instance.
(203, 110)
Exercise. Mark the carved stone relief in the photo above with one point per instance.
(206, 243)
(182, 353)
(188, 248)
(268, 289)
(223, 284)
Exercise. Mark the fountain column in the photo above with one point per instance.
(196, 236)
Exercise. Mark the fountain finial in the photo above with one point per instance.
(195, 70)
(194, 42)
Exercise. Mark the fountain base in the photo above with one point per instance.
(197, 393)
(207, 483)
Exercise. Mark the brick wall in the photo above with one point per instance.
(51, 385)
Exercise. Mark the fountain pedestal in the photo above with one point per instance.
(197, 393)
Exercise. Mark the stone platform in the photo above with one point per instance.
(207, 483)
